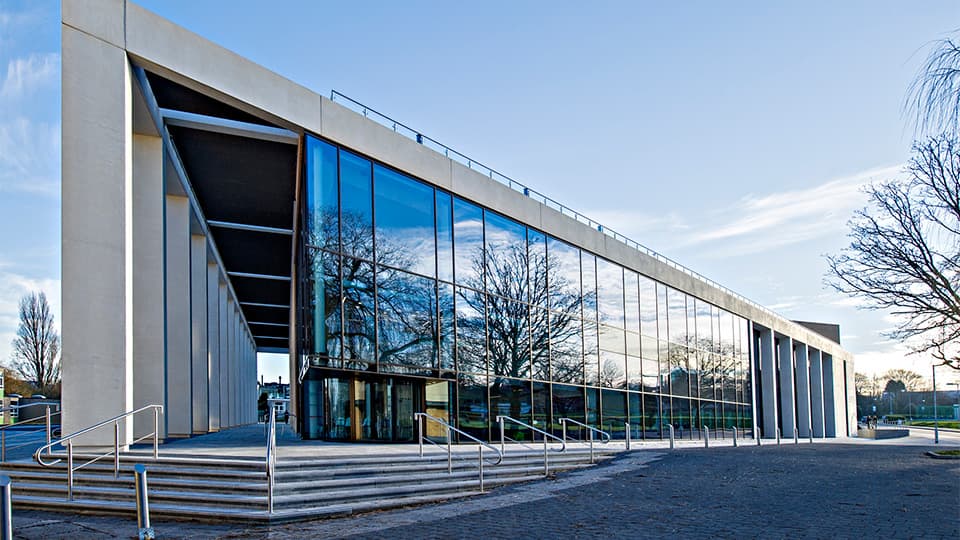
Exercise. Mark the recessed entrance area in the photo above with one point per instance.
(355, 407)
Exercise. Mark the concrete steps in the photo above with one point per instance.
(204, 487)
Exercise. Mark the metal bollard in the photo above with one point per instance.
(810, 434)
(735, 443)
(480, 447)
(671, 435)
(706, 437)
(778, 436)
(796, 436)
(6, 508)
(627, 427)
(145, 531)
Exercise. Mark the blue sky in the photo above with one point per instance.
(732, 137)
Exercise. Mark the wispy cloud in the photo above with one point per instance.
(757, 223)
(28, 74)
(29, 157)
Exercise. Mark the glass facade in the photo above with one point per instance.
(413, 299)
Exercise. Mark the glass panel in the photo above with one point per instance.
(612, 339)
(404, 396)
(593, 409)
(662, 312)
(323, 280)
(677, 305)
(653, 419)
(635, 414)
(444, 236)
(322, 218)
(610, 293)
(726, 333)
(591, 358)
(511, 397)
(648, 307)
(634, 373)
(358, 315)
(373, 402)
(405, 222)
(634, 347)
(313, 403)
(665, 368)
(471, 331)
(447, 314)
(588, 270)
(356, 202)
(541, 407)
(566, 348)
(472, 412)
(631, 301)
(468, 243)
(537, 271)
(508, 338)
(407, 318)
(704, 340)
(679, 370)
(614, 413)
(540, 343)
(568, 402)
(338, 407)
(439, 398)
(651, 374)
(612, 369)
(506, 262)
(563, 275)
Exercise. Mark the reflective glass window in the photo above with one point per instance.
(537, 268)
(358, 313)
(471, 331)
(405, 222)
(323, 271)
(726, 332)
(610, 293)
(540, 343)
(447, 316)
(662, 312)
(593, 407)
(650, 370)
(563, 276)
(444, 236)
(506, 257)
(634, 373)
(591, 360)
(648, 307)
(407, 318)
(508, 337)
(323, 208)
(614, 413)
(633, 344)
(468, 243)
(612, 339)
(541, 405)
(356, 202)
(653, 422)
(511, 397)
(631, 301)
(588, 272)
(472, 408)
(704, 340)
(568, 402)
(677, 313)
(612, 369)
(566, 348)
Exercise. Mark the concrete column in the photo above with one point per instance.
(829, 397)
(224, 335)
(96, 228)
(149, 376)
(768, 373)
(179, 402)
(851, 400)
(816, 393)
(213, 344)
(787, 405)
(198, 330)
(754, 351)
(231, 362)
(803, 390)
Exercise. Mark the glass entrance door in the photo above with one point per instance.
(381, 410)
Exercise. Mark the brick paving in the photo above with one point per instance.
(806, 491)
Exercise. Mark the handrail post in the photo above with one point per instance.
(546, 467)
(449, 450)
(70, 470)
(563, 425)
(49, 432)
(503, 438)
(671, 436)
(116, 449)
(480, 448)
(590, 431)
(735, 443)
(419, 420)
(3, 446)
(156, 433)
(706, 437)
(143, 504)
(6, 508)
(627, 428)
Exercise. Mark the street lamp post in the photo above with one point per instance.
(936, 423)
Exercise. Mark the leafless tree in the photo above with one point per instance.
(912, 381)
(36, 349)
(904, 253)
(934, 97)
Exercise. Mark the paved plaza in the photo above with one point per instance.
(825, 490)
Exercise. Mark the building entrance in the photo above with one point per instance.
(376, 410)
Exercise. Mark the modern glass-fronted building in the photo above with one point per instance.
(213, 210)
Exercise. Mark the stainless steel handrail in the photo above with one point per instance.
(604, 436)
(421, 417)
(67, 441)
(3, 429)
(272, 449)
(502, 419)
